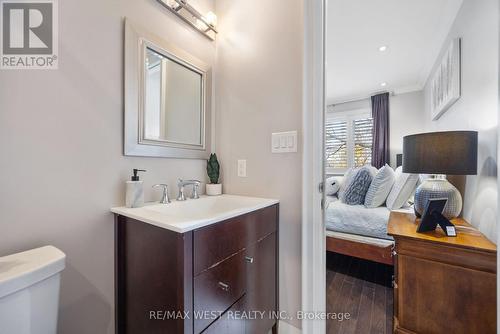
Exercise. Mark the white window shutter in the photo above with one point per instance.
(336, 145)
(363, 134)
(348, 142)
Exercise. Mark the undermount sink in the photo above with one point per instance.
(184, 216)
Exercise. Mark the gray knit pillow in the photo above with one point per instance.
(356, 191)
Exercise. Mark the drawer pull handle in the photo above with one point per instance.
(249, 259)
(224, 286)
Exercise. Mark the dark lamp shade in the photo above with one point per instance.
(449, 153)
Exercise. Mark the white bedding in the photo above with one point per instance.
(357, 219)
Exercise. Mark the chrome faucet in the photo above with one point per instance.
(182, 183)
(164, 196)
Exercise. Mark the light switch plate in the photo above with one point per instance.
(242, 168)
(284, 142)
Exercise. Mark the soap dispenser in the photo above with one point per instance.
(134, 197)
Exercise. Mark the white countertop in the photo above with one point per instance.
(185, 216)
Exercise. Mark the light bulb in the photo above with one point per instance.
(211, 19)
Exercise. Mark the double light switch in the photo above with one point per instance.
(284, 142)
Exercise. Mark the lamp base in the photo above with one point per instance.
(438, 187)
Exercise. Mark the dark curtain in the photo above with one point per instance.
(380, 141)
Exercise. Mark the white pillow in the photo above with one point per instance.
(402, 190)
(380, 187)
(332, 185)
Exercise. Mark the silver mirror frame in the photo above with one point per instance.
(137, 39)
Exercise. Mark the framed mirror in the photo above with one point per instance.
(167, 99)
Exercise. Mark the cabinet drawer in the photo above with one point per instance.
(216, 289)
(214, 243)
(228, 322)
(451, 299)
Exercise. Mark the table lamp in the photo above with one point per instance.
(440, 154)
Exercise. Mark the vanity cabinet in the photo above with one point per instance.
(221, 278)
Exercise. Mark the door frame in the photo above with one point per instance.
(313, 226)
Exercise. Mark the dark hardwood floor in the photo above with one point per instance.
(362, 289)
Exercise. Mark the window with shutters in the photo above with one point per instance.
(348, 140)
(336, 144)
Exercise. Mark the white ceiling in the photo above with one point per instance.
(412, 30)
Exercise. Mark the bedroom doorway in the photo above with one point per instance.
(378, 62)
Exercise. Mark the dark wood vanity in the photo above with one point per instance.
(198, 281)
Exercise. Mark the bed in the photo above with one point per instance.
(357, 231)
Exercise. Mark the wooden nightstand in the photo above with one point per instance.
(442, 284)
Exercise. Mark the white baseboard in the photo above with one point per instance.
(286, 328)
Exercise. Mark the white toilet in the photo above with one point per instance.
(29, 291)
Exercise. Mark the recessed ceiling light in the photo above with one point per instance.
(383, 84)
(382, 48)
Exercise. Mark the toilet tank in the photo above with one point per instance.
(29, 291)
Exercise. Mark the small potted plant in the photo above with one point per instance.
(214, 188)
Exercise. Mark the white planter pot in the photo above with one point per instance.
(214, 189)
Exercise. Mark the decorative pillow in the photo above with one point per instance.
(355, 191)
(380, 187)
(402, 190)
(332, 185)
(347, 179)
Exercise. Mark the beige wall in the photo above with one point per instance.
(259, 89)
(61, 151)
(406, 117)
(477, 109)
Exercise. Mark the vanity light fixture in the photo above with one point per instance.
(205, 24)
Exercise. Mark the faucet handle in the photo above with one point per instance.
(164, 197)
